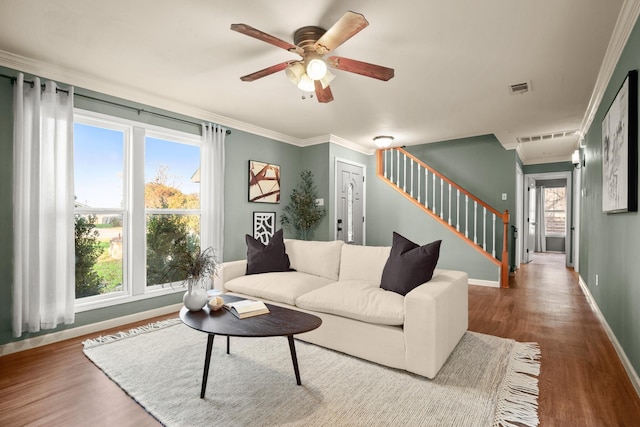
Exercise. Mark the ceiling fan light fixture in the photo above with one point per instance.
(327, 79)
(316, 68)
(306, 84)
(383, 141)
(295, 72)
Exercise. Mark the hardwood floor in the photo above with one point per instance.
(582, 382)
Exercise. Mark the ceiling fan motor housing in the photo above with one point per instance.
(306, 37)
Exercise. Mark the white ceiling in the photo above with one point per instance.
(454, 61)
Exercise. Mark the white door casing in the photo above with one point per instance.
(349, 178)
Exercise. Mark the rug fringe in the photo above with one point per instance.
(518, 396)
(130, 333)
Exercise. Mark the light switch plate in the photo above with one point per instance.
(504, 196)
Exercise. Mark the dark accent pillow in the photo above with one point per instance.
(409, 265)
(269, 258)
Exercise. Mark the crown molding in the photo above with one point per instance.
(351, 145)
(627, 18)
(93, 83)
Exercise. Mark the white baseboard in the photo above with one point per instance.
(489, 283)
(66, 334)
(631, 372)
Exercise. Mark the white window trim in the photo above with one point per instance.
(134, 259)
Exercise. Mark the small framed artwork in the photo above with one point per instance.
(264, 226)
(620, 149)
(264, 182)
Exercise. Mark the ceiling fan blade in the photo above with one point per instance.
(267, 71)
(363, 68)
(260, 35)
(323, 95)
(348, 26)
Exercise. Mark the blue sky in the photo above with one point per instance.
(99, 163)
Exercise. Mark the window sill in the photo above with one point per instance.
(122, 298)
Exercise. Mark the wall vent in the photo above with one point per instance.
(548, 136)
(519, 88)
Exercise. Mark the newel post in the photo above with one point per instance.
(504, 270)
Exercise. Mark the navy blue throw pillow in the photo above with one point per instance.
(409, 265)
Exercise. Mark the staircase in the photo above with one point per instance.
(464, 214)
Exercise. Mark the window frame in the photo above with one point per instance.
(134, 211)
(556, 234)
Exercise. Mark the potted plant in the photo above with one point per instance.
(192, 266)
(302, 214)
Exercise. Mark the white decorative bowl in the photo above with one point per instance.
(216, 303)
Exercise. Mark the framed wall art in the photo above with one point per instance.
(620, 149)
(264, 182)
(264, 226)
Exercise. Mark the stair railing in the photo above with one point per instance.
(473, 220)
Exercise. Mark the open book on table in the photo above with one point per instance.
(246, 308)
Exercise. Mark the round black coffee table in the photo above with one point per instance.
(279, 322)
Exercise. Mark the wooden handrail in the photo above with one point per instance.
(444, 178)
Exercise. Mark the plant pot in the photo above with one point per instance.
(195, 298)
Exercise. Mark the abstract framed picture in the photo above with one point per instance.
(264, 182)
(264, 226)
(620, 149)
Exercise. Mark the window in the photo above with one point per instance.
(172, 202)
(137, 199)
(555, 211)
(100, 208)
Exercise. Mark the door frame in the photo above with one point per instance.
(568, 175)
(577, 192)
(519, 215)
(337, 160)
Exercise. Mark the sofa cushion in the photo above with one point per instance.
(263, 258)
(363, 262)
(356, 299)
(279, 287)
(313, 257)
(409, 265)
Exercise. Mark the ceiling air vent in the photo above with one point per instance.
(548, 136)
(519, 88)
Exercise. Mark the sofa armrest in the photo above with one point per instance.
(227, 271)
(436, 317)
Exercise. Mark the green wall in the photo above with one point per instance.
(6, 209)
(316, 159)
(548, 167)
(240, 147)
(610, 243)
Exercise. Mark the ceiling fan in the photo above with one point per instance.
(311, 72)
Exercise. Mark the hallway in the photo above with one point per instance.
(582, 381)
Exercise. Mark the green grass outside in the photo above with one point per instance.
(109, 269)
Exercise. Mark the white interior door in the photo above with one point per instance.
(349, 202)
(531, 219)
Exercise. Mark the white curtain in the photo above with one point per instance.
(43, 222)
(212, 188)
(541, 223)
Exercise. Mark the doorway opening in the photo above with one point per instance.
(548, 215)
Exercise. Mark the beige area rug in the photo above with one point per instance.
(487, 381)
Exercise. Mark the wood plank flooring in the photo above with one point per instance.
(582, 382)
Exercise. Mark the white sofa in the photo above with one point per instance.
(341, 284)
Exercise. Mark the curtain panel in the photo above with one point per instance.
(44, 258)
(212, 160)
